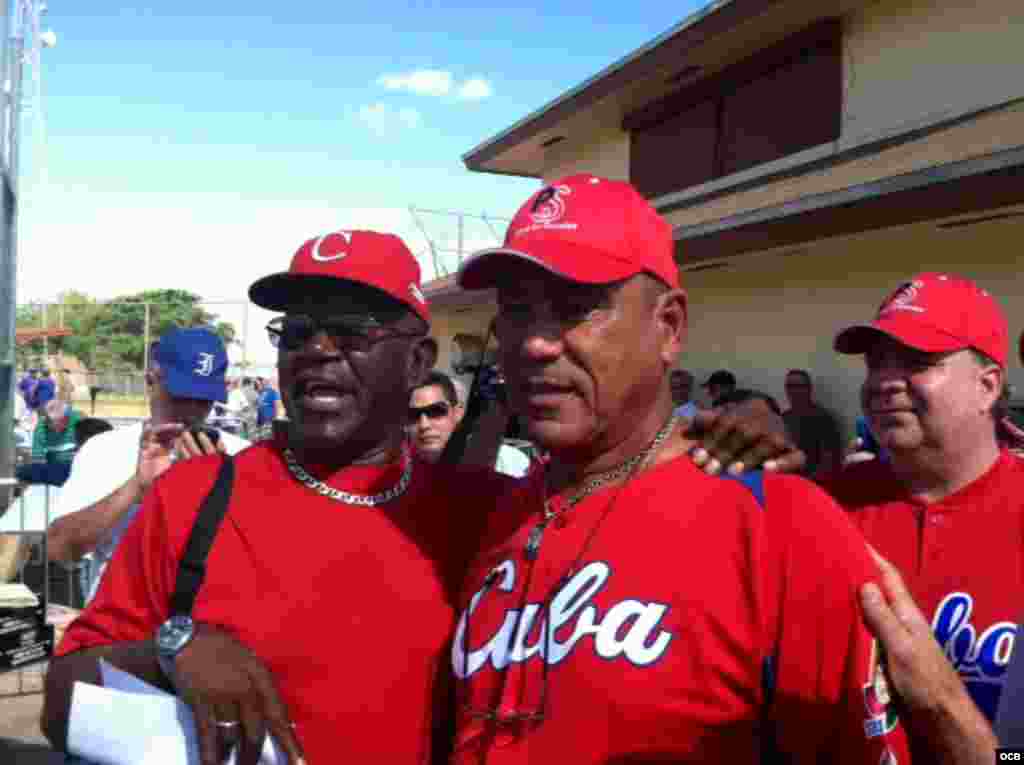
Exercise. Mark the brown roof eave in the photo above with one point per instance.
(988, 182)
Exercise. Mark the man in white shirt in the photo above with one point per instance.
(237, 402)
(103, 493)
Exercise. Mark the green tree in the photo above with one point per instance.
(111, 335)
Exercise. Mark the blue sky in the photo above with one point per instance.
(192, 148)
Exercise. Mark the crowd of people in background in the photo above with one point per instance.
(592, 537)
(812, 427)
(253, 403)
(35, 389)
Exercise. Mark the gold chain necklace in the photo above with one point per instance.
(592, 484)
(396, 491)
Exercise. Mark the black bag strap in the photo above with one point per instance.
(192, 569)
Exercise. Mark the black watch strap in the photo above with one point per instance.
(192, 568)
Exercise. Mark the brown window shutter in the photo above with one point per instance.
(794, 107)
(777, 102)
(676, 153)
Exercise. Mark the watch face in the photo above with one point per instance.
(174, 634)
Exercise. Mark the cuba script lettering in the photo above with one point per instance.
(983, 656)
(629, 629)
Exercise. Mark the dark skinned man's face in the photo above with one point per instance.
(341, 389)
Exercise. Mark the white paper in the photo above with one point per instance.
(119, 680)
(17, 595)
(128, 721)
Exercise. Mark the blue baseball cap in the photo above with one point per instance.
(194, 364)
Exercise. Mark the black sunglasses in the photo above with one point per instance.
(347, 334)
(434, 411)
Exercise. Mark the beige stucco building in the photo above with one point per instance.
(810, 154)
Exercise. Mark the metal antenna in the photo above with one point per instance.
(438, 268)
(455, 233)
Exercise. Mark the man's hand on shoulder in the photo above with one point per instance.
(233, 697)
(747, 436)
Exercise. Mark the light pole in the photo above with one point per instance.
(22, 40)
(13, 60)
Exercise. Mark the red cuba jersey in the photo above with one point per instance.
(350, 607)
(671, 619)
(961, 557)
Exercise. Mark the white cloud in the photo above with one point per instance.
(423, 82)
(475, 89)
(438, 83)
(383, 119)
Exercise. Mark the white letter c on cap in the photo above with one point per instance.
(327, 258)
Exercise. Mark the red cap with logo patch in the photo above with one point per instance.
(366, 258)
(585, 229)
(935, 313)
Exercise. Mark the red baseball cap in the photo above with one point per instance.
(585, 229)
(935, 313)
(366, 258)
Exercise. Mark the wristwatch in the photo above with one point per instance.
(171, 638)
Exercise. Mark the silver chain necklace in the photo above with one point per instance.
(594, 483)
(347, 498)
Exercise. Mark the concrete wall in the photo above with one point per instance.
(604, 153)
(905, 60)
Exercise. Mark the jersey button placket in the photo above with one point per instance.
(935, 528)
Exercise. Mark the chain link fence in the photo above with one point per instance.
(130, 384)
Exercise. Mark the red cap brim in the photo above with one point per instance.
(859, 338)
(283, 291)
(571, 261)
